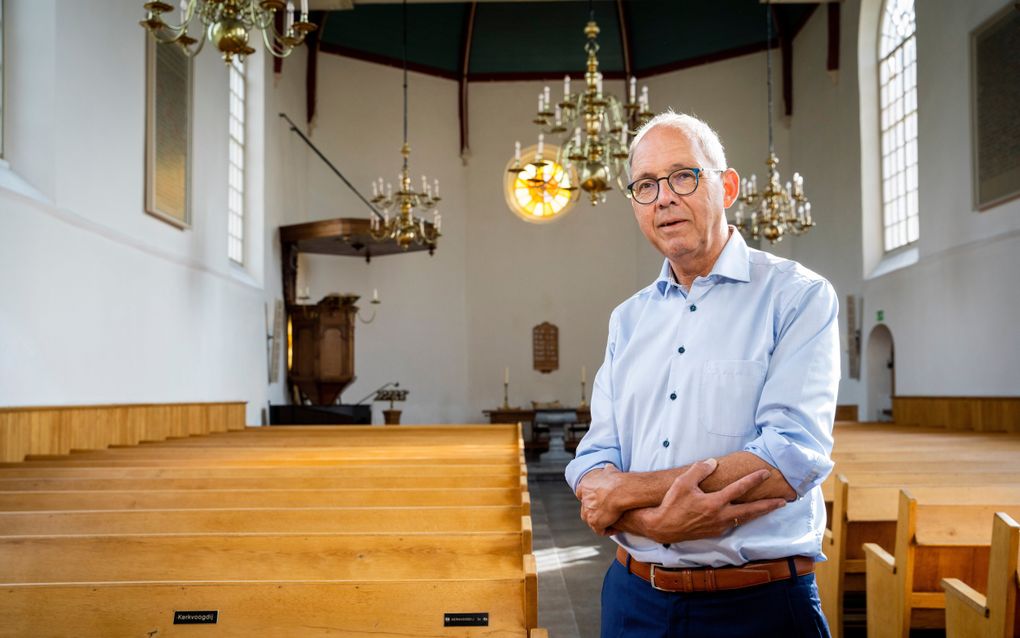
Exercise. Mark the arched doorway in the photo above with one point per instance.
(881, 370)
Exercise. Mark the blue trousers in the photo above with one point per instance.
(789, 608)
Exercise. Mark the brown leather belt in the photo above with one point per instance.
(678, 579)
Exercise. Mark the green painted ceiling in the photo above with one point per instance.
(513, 40)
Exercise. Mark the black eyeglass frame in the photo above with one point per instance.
(697, 170)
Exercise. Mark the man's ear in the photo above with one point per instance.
(731, 187)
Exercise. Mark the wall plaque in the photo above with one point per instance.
(995, 101)
(545, 345)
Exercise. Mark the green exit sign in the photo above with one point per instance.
(880, 316)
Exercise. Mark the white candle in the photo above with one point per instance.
(545, 95)
(598, 84)
(289, 18)
(424, 184)
(559, 115)
(506, 375)
(541, 143)
(517, 151)
(375, 294)
(633, 89)
(375, 189)
(540, 100)
(389, 190)
(577, 138)
(304, 9)
(566, 87)
(436, 189)
(437, 219)
(584, 374)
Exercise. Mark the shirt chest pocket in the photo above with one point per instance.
(729, 396)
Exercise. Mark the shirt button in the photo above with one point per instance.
(681, 349)
(672, 396)
(665, 443)
(693, 307)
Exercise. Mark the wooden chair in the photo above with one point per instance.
(933, 541)
(969, 614)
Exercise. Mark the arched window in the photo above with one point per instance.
(235, 169)
(897, 77)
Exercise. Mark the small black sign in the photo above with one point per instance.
(479, 619)
(195, 617)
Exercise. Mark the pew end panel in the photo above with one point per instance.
(970, 613)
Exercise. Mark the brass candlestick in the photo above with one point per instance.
(506, 395)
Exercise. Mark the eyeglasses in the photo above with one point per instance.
(682, 181)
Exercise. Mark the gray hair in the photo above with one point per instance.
(695, 129)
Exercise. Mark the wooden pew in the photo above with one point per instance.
(318, 512)
(933, 541)
(396, 609)
(969, 614)
(233, 499)
(338, 520)
(864, 511)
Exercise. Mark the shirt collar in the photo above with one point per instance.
(732, 264)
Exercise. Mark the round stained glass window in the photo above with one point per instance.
(541, 192)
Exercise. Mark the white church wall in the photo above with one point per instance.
(951, 320)
(417, 335)
(114, 305)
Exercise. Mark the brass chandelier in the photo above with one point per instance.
(596, 127)
(227, 23)
(777, 211)
(404, 227)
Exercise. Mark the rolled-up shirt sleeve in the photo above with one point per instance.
(798, 400)
(601, 444)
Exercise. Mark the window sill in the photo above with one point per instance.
(895, 261)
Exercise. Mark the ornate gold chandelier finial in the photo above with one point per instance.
(227, 24)
(776, 211)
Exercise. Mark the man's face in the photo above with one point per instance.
(681, 227)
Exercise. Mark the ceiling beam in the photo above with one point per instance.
(462, 82)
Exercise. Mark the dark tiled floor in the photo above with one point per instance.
(571, 562)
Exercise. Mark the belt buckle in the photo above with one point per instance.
(651, 579)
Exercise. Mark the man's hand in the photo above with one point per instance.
(687, 513)
(598, 508)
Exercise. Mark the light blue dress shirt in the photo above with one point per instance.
(748, 359)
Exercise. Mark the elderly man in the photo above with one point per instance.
(711, 415)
